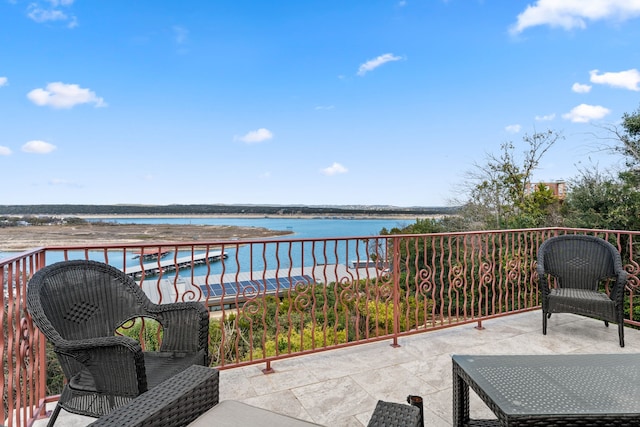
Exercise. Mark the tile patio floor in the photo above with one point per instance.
(341, 387)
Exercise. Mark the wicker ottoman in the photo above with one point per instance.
(173, 403)
(389, 414)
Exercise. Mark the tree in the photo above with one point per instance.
(627, 138)
(498, 196)
(604, 201)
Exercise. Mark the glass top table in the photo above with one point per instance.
(580, 389)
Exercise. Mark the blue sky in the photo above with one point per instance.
(301, 102)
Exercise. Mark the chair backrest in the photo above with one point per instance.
(83, 299)
(578, 261)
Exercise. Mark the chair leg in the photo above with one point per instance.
(54, 415)
(606, 323)
(621, 333)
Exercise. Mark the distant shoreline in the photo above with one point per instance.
(112, 232)
(251, 215)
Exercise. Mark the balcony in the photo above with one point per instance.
(341, 387)
(358, 319)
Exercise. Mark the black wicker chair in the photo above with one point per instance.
(579, 265)
(78, 305)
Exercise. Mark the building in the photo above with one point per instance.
(559, 188)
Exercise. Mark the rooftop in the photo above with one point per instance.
(341, 387)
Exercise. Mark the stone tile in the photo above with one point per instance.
(434, 371)
(234, 385)
(335, 401)
(392, 383)
(282, 380)
(282, 402)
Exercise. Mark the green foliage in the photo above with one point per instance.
(147, 332)
(629, 138)
(293, 342)
(603, 201)
(538, 209)
(380, 315)
(429, 225)
(55, 376)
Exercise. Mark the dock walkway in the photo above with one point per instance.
(169, 265)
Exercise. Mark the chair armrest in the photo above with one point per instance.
(617, 292)
(115, 363)
(185, 325)
(543, 285)
(174, 402)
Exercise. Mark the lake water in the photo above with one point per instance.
(300, 227)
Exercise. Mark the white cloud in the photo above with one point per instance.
(52, 12)
(325, 107)
(584, 113)
(629, 79)
(334, 169)
(5, 151)
(38, 147)
(56, 3)
(513, 128)
(546, 118)
(256, 136)
(61, 95)
(372, 64)
(44, 15)
(581, 88)
(571, 14)
(4, 81)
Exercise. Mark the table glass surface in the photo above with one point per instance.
(558, 384)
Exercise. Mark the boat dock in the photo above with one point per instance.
(230, 290)
(170, 265)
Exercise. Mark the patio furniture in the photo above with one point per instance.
(191, 398)
(579, 265)
(175, 402)
(391, 414)
(549, 390)
(78, 305)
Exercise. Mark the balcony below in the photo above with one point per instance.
(341, 387)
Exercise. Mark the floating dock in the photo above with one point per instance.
(170, 265)
(229, 290)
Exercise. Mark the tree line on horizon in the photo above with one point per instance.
(213, 209)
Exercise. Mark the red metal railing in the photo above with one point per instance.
(272, 299)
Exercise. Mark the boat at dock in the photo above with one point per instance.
(170, 265)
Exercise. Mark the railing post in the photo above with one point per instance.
(396, 292)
